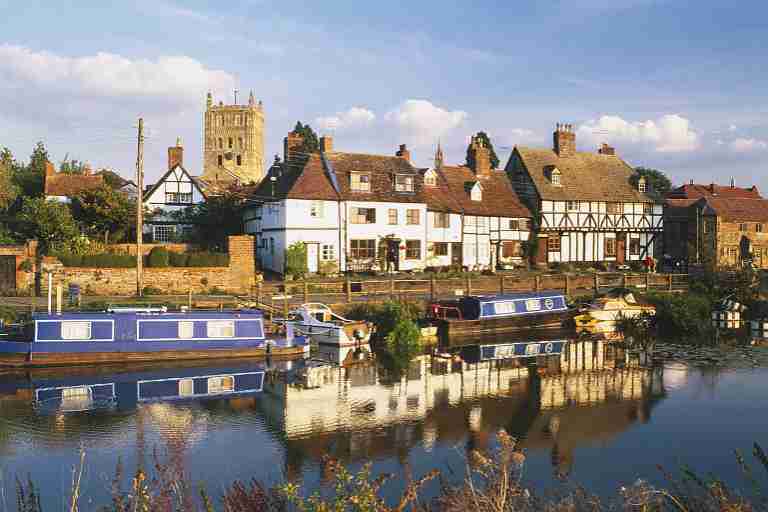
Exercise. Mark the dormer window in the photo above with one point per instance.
(476, 193)
(642, 186)
(554, 176)
(430, 179)
(403, 183)
(360, 182)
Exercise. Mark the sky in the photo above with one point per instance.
(674, 85)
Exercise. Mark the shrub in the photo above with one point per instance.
(158, 257)
(296, 259)
(178, 259)
(684, 316)
(207, 259)
(151, 290)
(104, 260)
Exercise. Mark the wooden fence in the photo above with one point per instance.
(352, 290)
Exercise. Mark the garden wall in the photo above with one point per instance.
(239, 277)
(13, 277)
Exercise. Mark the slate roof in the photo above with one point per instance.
(68, 185)
(584, 176)
(741, 210)
(455, 184)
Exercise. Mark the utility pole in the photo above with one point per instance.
(140, 210)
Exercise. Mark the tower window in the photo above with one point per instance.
(230, 143)
(221, 143)
(221, 160)
(240, 142)
(239, 160)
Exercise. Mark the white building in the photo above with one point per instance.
(589, 207)
(175, 191)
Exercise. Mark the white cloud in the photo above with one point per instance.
(354, 118)
(670, 133)
(177, 79)
(746, 145)
(422, 122)
(732, 128)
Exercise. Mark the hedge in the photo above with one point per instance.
(156, 259)
(105, 260)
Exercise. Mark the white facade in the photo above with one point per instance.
(174, 192)
(484, 240)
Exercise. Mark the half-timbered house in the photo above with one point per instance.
(588, 207)
(175, 191)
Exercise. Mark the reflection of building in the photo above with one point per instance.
(358, 413)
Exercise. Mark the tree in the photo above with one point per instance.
(311, 143)
(658, 183)
(30, 178)
(216, 218)
(482, 136)
(49, 222)
(8, 189)
(103, 211)
(72, 167)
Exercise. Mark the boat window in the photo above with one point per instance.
(75, 330)
(186, 387)
(221, 329)
(221, 384)
(503, 308)
(186, 330)
(76, 398)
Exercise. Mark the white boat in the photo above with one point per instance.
(600, 315)
(325, 327)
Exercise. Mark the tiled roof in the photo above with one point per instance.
(697, 191)
(741, 210)
(498, 197)
(68, 185)
(584, 176)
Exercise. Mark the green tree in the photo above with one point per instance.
(215, 219)
(482, 136)
(8, 189)
(105, 212)
(30, 178)
(658, 183)
(72, 167)
(49, 222)
(311, 143)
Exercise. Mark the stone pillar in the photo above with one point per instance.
(242, 263)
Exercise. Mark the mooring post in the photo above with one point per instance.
(537, 282)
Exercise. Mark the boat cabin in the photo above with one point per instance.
(513, 304)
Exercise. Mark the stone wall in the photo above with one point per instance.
(238, 277)
(27, 252)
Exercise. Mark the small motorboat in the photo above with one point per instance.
(324, 327)
(600, 315)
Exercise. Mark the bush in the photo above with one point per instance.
(296, 259)
(178, 259)
(683, 316)
(207, 259)
(158, 257)
(151, 290)
(105, 260)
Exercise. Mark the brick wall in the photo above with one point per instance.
(28, 251)
(239, 277)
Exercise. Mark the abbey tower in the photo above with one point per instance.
(233, 141)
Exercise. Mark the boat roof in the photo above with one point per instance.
(170, 315)
(515, 296)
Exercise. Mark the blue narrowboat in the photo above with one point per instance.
(497, 314)
(145, 334)
(513, 350)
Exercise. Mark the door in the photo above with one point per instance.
(313, 257)
(8, 273)
(393, 255)
(621, 247)
(457, 255)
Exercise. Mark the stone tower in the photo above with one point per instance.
(233, 141)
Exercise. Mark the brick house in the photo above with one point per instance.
(682, 222)
(588, 207)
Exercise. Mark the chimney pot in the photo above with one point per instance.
(291, 144)
(564, 140)
(50, 170)
(176, 155)
(326, 144)
(404, 153)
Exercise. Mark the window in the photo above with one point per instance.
(743, 227)
(553, 243)
(413, 217)
(477, 193)
(237, 119)
(240, 142)
(572, 206)
(316, 209)
(634, 246)
(403, 183)
(359, 182)
(758, 228)
(221, 328)
(328, 253)
(610, 247)
(178, 197)
(221, 143)
(220, 160)
(392, 216)
(484, 250)
(614, 208)
(641, 184)
(363, 216)
(440, 248)
(186, 387)
(481, 222)
(469, 221)
(514, 224)
(647, 208)
(442, 220)
(554, 177)
(223, 384)
(413, 249)
(239, 160)
(75, 330)
(512, 249)
(230, 143)
(363, 249)
(164, 233)
(430, 179)
(186, 330)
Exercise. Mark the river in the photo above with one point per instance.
(594, 416)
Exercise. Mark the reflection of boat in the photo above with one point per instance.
(76, 398)
(600, 315)
(145, 334)
(517, 349)
(493, 314)
(325, 327)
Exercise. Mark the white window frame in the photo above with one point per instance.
(416, 213)
(316, 209)
(186, 329)
(168, 232)
(404, 183)
(327, 252)
(220, 328)
(476, 194)
(430, 179)
(360, 182)
(186, 387)
(393, 215)
(69, 334)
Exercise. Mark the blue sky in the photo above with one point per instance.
(676, 85)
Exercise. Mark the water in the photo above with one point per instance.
(594, 416)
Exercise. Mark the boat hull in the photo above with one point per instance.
(335, 336)
(452, 330)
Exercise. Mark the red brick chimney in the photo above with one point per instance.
(605, 149)
(290, 144)
(326, 144)
(176, 155)
(480, 157)
(564, 140)
(50, 170)
(404, 153)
